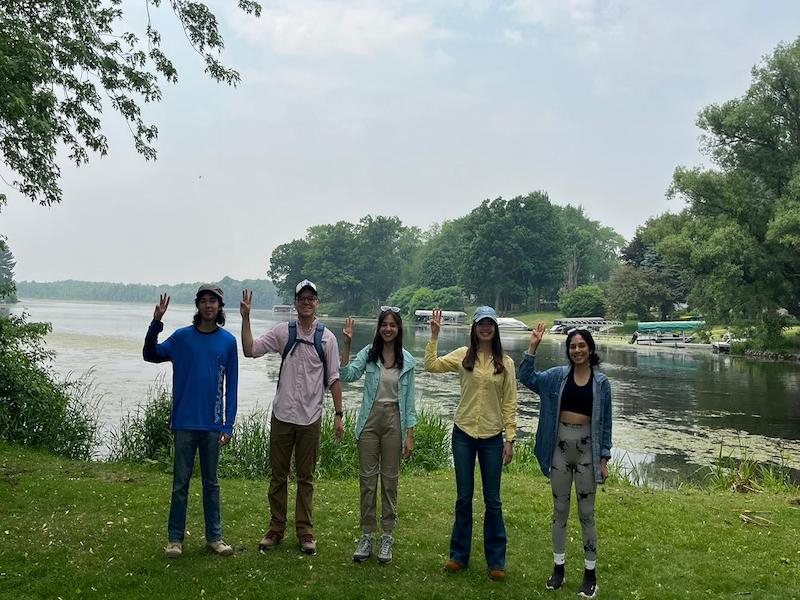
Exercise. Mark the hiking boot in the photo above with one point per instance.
(556, 579)
(308, 544)
(220, 547)
(270, 540)
(497, 574)
(588, 587)
(452, 566)
(173, 550)
(363, 549)
(385, 553)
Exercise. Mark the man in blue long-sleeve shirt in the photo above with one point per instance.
(204, 384)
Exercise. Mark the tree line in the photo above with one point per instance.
(508, 253)
(265, 295)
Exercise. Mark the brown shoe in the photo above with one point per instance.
(270, 540)
(497, 574)
(307, 544)
(452, 566)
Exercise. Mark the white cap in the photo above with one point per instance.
(305, 284)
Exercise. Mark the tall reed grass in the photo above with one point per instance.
(144, 435)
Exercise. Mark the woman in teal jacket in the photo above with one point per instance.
(387, 416)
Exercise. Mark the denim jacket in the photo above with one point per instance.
(406, 394)
(549, 385)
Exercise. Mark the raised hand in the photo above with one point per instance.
(246, 303)
(161, 307)
(436, 322)
(349, 327)
(536, 337)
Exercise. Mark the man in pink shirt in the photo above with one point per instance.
(297, 409)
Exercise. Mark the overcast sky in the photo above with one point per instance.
(417, 109)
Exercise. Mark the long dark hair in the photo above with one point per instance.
(196, 320)
(376, 350)
(594, 360)
(472, 353)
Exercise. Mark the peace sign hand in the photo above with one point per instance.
(349, 327)
(246, 303)
(536, 337)
(161, 307)
(436, 322)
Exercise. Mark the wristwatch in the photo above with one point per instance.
(339, 413)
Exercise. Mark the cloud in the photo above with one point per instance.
(320, 29)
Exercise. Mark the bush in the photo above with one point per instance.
(449, 298)
(36, 409)
(402, 298)
(584, 301)
(145, 435)
(247, 454)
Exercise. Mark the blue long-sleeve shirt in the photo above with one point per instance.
(205, 376)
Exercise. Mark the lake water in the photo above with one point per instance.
(674, 410)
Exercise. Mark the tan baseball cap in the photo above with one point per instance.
(212, 288)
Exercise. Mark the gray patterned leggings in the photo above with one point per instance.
(572, 459)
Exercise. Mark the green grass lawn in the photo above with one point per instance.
(78, 529)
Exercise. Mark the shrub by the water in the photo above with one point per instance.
(144, 435)
(36, 409)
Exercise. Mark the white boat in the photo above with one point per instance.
(511, 324)
(449, 317)
(284, 310)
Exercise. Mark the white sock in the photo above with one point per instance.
(558, 559)
(589, 564)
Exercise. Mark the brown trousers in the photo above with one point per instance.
(304, 440)
(380, 446)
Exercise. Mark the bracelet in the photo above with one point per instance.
(339, 413)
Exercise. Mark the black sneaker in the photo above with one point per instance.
(557, 578)
(588, 587)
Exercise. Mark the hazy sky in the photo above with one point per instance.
(418, 109)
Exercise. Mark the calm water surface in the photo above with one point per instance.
(673, 409)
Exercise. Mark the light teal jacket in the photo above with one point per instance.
(405, 388)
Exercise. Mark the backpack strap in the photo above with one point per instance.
(318, 333)
(292, 341)
(290, 344)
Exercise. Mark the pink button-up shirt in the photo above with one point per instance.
(300, 390)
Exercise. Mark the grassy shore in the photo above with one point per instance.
(74, 529)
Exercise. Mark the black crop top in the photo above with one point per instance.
(577, 398)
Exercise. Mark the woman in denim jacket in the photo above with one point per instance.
(573, 442)
(386, 417)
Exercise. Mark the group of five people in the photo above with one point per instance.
(573, 439)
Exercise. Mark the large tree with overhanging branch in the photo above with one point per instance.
(63, 61)
(741, 240)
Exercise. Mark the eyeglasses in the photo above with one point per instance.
(394, 309)
(306, 299)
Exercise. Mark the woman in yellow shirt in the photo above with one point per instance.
(485, 414)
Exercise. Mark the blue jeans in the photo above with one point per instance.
(186, 445)
(490, 458)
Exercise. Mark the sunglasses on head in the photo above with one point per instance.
(394, 309)
(574, 329)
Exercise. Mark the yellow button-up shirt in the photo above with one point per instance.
(488, 400)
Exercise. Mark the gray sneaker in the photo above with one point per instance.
(385, 553)
(173, 550)
(364, 548)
